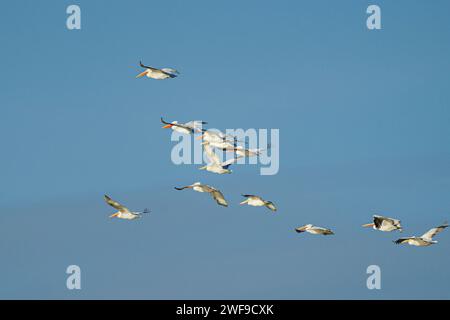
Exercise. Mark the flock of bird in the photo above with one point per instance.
(212, 140)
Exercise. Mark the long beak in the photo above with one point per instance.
(167, 126)
(114, 215)
(141, 74)
(199, 137)
(368, 225)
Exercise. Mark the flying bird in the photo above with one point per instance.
(384, 224)
(124, 212)
(424, 240)
(190, 127)
(158, 74)
(218, 139)
(216, 194)
(314, 230)
(257, 201)
(216, 165)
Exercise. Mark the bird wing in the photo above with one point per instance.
(249, 196)
(395, 222)
(378, 221)
(195, 125)
(182, 188)
(185, 126)
(170, 71)
(116, 205)
(402, 240)
(231, 148)
(148, 67)
(165, 122)
(212, 156)
(271, 206)
(220, 199)
(231, 161)
(324, 231)
(434, 231)
(300, 229)
(212, 136)
(219, 136)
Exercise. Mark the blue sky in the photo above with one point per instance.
(364, 128)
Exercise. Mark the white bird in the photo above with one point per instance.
(217, 139)
(216, 194)
(384, 224)
(216, 165)
(124, 212)
(190, 127)
(314, 230)
(424, 240)
(257, 201)
(158, 74)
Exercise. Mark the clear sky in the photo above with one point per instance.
(364, 128)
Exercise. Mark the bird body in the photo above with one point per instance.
(124, 212)
(126, 215)
(216, 165)
(314, 230)
(384, 224)
(257, 201)
(157, 74)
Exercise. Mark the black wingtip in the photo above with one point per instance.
(163, 121)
